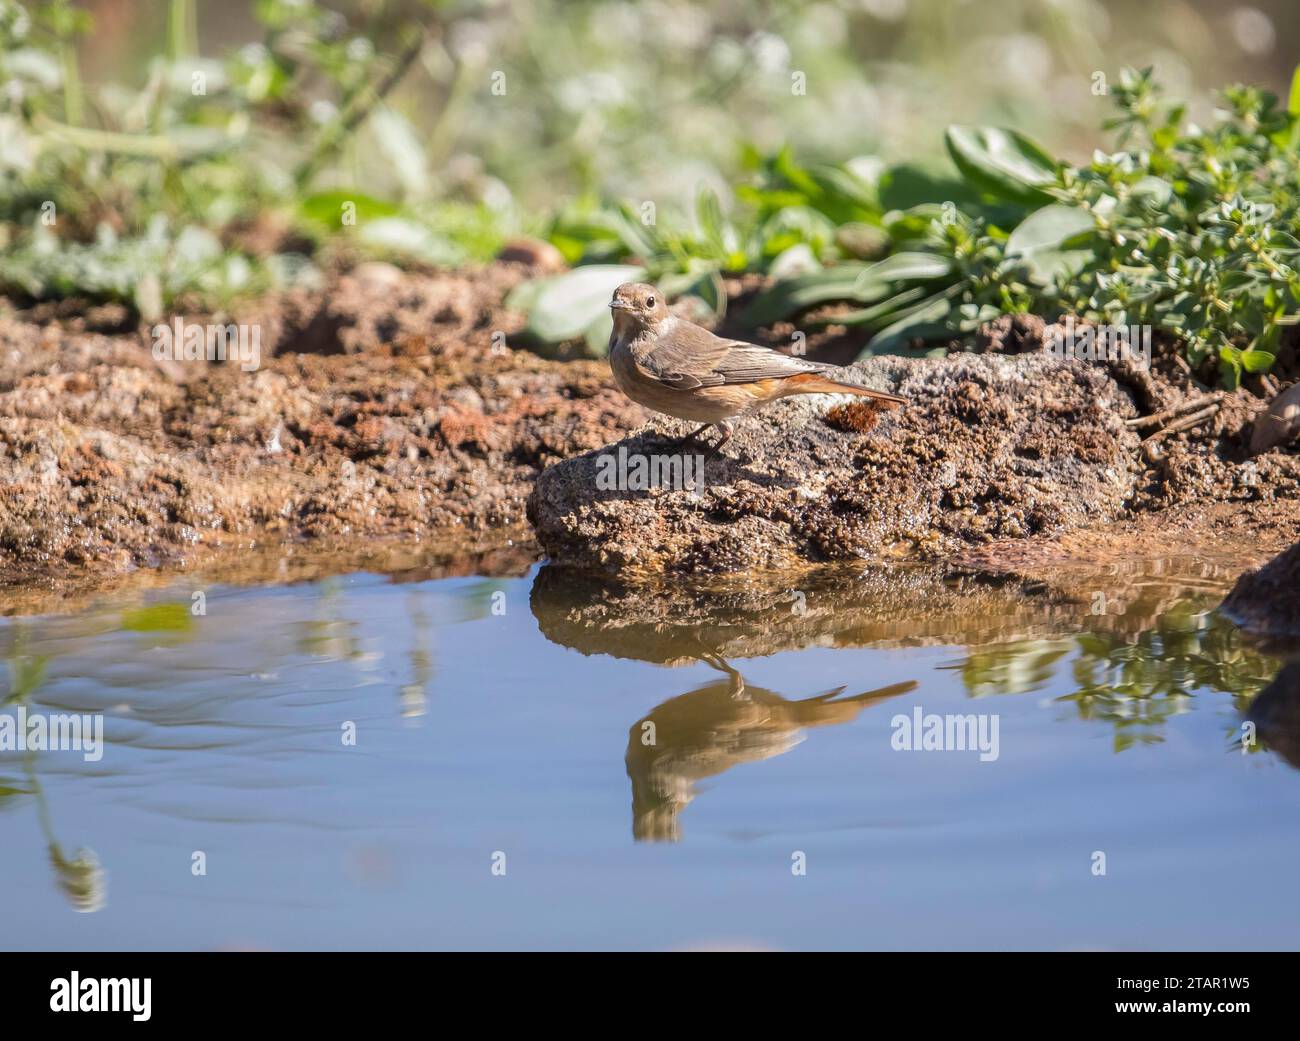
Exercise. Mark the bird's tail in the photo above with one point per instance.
(815, 383)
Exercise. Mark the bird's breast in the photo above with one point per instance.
(623, 365)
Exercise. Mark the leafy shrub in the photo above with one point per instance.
(1185, 229)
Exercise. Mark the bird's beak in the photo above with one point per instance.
(619, 305)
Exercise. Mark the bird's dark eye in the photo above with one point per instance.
(649, 301)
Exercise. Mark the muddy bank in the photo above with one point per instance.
(381, 408)
(396, 407)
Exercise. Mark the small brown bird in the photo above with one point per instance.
(673, 366)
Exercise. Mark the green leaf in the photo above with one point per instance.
(1155, 192)
(845, 196)
(1003, 163)
(330, 208)
(873, 315)
(798, 294)
(1040, 240)
(708, 214)
(912, 225)
(523, 298)
(25, 677)
(862, 241)
(907, 267)
(566, 306)
(1234, 280)
(596, 335)
(926, 321)
(401, 145)
(1230, 367)
(1293, 109)
(909, 184)
(10, 789)
(706, 286)
(570, 247)
(861, 283)
(1256, 360)
(408, 238)
(794, 261)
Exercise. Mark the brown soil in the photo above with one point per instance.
(381, 408)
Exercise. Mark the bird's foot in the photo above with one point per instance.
(676, 444)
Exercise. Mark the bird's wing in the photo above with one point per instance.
(692, 357)
(748, 363)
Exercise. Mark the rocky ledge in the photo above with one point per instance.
(989, 447)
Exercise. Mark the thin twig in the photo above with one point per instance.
(1185, 423)
(1142, 422)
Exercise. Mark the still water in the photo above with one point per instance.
(542, 762)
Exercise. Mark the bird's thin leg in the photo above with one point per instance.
(727, 430)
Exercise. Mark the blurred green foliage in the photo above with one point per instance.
(681, 136)
(210, 178)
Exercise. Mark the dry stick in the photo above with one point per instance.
(1184, 424)
(1142, 422)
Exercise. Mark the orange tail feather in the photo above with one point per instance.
(813, 383)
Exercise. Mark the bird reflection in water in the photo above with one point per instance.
(707, 731)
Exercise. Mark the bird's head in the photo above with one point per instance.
(637, 306)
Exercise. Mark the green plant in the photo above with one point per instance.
(1189, 230)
